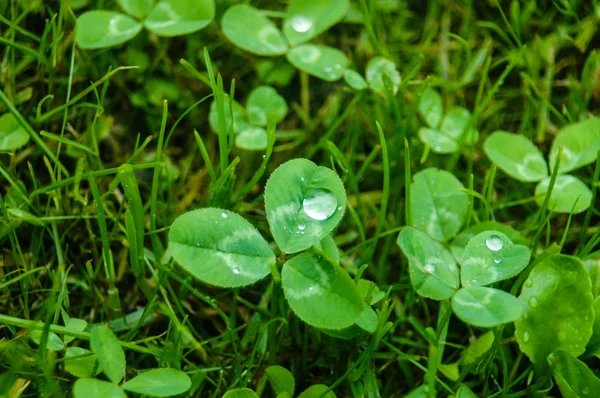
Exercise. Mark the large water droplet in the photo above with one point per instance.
(236, 271)
(494, 243)
(320, 204)
(533, 302)
(525, 337)
(301, 24)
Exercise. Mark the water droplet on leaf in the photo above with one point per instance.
(528, 282)
(319, 204)
(498, 260)
(533, 302)
(340, 208)
(494, 243)
(224, 215)
(301, 24)
(311, 288)
(236, 271)
(525, 337)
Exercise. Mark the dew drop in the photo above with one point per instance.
(528, 282)
(301, 24)
(498, 260)
(327, 69)
(525, 337)
(332, 75)
(533, 302)
(494, 243)
(337, 66)
(429, 268)
(224, 215)
(319, 204)
(340, 208)
(301, 178)
(301, 226)
(236, 271)
(311, 288)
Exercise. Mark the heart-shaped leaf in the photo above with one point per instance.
(304, 203)
(240, 119)
(136, 8)
(12, 134)
(179, 17)
(100, 29)
(573, 377)
(376, 69)
(262, 101)
(431, 108)
(581, 143)
(559, 309)
(281, 379)
(326, 63)
(355, 80)
(438, 206)
(491, 257)
(252, 139)
(94, 388)
(306, 19)
(516, 156)
(109, 353)
(433, 271)
(569, 194)
(320, 292)
(486, 307)
(220, 247)
(451, 134)
(164, 382)
(249, 29)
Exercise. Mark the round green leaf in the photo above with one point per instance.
(491, 257)
(136, 8)
(439, 207)
(376, 69)
(306, 19)
(249, 29)
(316, 391)
(326, 63)
(100, 29)
(240, 393)
(220, 247)
(320, 292)
(437, 141)
(559, 309)
(516, 156)
(83, 366)
(262, 101)
(486, 307)
(74, 324)
(94, 388)
(581, 143)
(109, 353)
(431, 108)
(164, 382)
(179, 17)
(252, 139)
(281, 380)
(344, 334)
(304, 203)
(433, 271)
(568, 195)
(240, 119)
(355, 80)
(454, 126)
(573, 377)
(12, 134)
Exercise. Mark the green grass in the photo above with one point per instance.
(120, 146)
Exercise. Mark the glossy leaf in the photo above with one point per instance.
(306, 19)
(320, 292)
(569, 194)
(355, 80)
(516, 155)
(486, 307)
(262, 101)
(316, 391)
(581, 143)
(433, 271)
(304, 203)
(83, 365)
(220, 247)
(240, 393)
(136, 8)
(101, 28)
(94, 388)
(109, 353)
(559, 309)
(12, 134)
(330, 249)
(438, 206)
(159, 383)
(491, 257)
(252, 139)
(573, 377)
(249, 29)
(326, 63)
(431, 108)
(179, 17)
(376, 69)
(240, 118)
(281, 379)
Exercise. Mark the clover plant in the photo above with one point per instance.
(304, 203)
(104, 28)
(12, 134)
(518, 157)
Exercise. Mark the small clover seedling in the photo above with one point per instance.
(304, 203)
(103, 28)
(520, 159)
(12, 134)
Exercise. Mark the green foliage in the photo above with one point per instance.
(573, 377)
(516, 156)
(306, 19)
(12, 134)
(324, 62)
(281, 380)
(159, 383)
(109, 353)
(382, 75)
(94, 388)
(580, 142)
(485, 307)
(99, 29)
(240, 393)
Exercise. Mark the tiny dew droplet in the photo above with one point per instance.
(301, 226)
(301, 178)
(319, 204)
(340, 208)
(224, 215)
(525, 337)
(494, 243)
(311, 288)
(498, 260)
(528, 282)
(533, 302)
(236, 271)
(301, 24)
